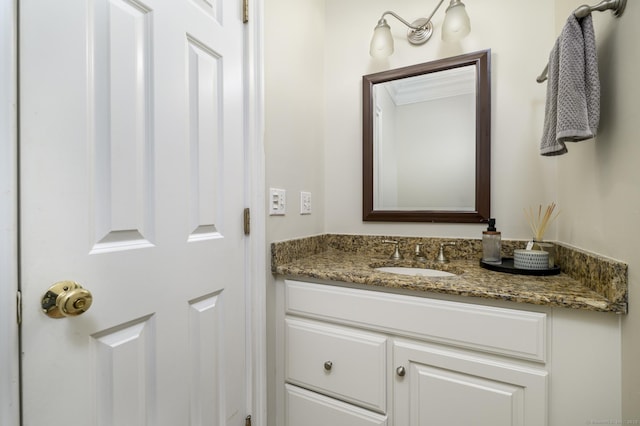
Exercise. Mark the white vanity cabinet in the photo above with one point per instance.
(348, 356)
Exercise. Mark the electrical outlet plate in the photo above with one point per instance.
(277, 202)
(305, 202)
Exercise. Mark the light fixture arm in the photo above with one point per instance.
(398, 17)
(435, 10)
(412, 26)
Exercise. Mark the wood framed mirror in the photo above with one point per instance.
(427, 142)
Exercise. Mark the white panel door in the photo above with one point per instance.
(132, 184)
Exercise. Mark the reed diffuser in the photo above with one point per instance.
(541, 222)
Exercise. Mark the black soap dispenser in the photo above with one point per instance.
(491, 244)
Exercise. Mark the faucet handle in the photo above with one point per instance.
(396, 253)
(441, 257)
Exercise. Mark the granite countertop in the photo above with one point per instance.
(326, 262)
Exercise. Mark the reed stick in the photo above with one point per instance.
(540, 223)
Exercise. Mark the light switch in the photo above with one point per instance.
(305, 202)
(277, 202)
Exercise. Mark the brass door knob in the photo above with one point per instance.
(66, 299)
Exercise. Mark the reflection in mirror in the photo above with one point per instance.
(415, 118)
(426, 142)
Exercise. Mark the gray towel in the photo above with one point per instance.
(572, 111)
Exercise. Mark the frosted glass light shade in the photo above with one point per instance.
(382, 41)
(456, 24)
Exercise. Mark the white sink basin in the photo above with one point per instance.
(414, 271)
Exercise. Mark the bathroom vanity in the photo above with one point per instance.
(355, 346)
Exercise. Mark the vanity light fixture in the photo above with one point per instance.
(456, 25)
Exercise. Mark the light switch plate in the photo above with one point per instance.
(277, 202)
(305, 202)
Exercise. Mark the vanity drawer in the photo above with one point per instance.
(304, 408)
(341, 362)
(513, 333)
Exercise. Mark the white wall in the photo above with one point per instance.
(520, 44)
(294, 46)
(598, 179)
(313, 135)
(431, 178)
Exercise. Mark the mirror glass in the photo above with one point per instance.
(427, 141)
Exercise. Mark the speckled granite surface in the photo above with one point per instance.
(587, 281)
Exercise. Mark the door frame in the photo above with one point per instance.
(9, 332)
(256, 262)
(255, 248)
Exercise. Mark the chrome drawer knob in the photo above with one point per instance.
(328, 365)
(400, 371)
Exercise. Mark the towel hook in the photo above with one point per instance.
(615, 6)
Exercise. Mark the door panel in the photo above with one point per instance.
(120, 129)
(204, 137)
(206, 330)
(124, 356)
(438, 394)
(132, 180)
(442, 385)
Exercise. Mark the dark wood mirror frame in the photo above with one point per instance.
(481, 60)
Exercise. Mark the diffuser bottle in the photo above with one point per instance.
(491, 244)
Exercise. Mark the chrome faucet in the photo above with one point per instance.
(396, 253)
(441, 257)
(419, 254)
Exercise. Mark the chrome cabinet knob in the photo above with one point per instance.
(400, 371)
(66, 299)
(328, 365)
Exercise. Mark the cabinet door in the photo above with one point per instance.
(305, 408)
(436, 386)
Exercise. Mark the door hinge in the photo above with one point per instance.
(247, 221)
(247, 421)
(245, 11)
(19, 307)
